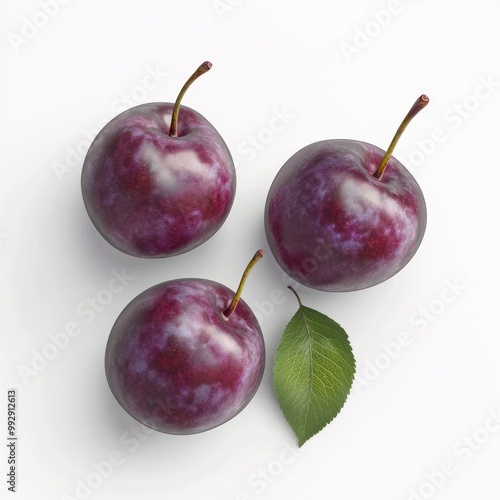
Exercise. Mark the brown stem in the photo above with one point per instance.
(230, 309)
(296, 294)
(203, 68)
(418, 105)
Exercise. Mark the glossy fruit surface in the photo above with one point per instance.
(152, 195)
(159, 180)
(176, 363)
(333, 226)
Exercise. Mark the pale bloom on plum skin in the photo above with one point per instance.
(174, 363)
(152, 195)
(325, 196)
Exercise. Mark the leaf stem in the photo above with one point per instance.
(230, 309)
(203, 68)
(418, 105)
(296, 294)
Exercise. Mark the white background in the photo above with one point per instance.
(428, 404)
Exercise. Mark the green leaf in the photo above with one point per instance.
(314, 370)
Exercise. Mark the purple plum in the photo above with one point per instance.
(158, 180)
(342, 215)
(186, 355)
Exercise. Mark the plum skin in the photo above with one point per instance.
(176, 365)
(151, 195)
(333, 226)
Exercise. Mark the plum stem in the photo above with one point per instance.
(418, 105)
(203, 68)
(230, 309)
